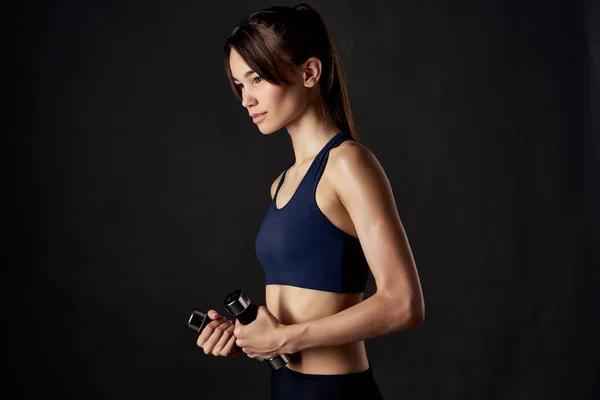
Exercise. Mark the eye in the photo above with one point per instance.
(240, 86)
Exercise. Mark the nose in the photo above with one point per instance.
(247, 99)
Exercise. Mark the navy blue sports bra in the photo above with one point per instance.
(298, 246)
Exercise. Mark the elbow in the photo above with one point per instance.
(413, 314)
(408, 311)
(417, 317)
(418, 311)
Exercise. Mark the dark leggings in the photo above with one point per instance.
(287, 384)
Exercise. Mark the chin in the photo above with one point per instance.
(266, 130)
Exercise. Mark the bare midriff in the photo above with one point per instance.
(293, 305)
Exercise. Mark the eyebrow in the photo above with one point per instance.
(250, 72)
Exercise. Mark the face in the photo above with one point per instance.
(281, 104)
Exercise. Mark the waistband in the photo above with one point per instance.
(353, 375)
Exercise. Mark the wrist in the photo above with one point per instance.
(290, 338)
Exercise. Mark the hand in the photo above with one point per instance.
(263, 337)
(217, 337)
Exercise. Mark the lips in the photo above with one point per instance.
(257, 114)
(258, 117)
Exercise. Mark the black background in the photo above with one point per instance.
(136, 185)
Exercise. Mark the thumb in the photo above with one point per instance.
(212, 314)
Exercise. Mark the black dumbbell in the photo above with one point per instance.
(238, 306)
(198, 321)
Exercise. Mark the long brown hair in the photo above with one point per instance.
(279, 38)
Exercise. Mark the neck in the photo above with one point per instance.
(311, 131)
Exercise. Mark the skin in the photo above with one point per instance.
(324, 332)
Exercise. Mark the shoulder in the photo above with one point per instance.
(350, 151)
(355, 171)
(351, 158)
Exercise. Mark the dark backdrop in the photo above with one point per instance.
(136, 185)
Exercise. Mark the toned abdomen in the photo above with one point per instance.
(292, 305)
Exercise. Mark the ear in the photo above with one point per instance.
(311, 72)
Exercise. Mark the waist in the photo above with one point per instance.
(345, 359)
(293, 305)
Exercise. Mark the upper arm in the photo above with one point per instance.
(365, 191)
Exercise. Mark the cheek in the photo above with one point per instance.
(283, 102)
(274, 95)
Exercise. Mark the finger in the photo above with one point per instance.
(218, 349)
(214, 338)
(237, 343)
(211, 336)
(229, 347)
(213, 314)
(207, 332)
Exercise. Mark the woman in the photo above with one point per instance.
(332, 218)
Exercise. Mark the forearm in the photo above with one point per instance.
(378, 315)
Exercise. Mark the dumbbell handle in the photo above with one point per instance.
(198, 321)
(238, 305)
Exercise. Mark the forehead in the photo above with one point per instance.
(237, 64)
